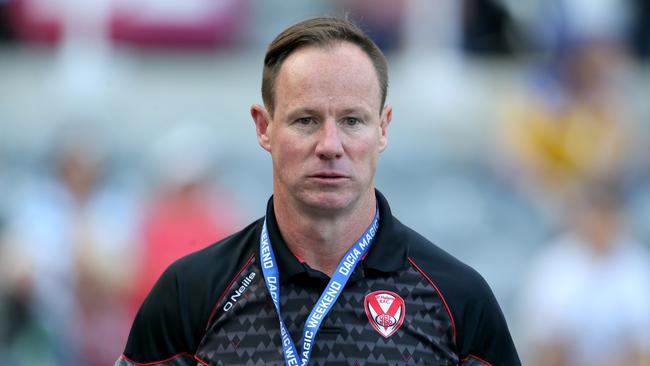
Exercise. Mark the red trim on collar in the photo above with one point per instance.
(298, 258)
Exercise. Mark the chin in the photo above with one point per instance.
(328, 200)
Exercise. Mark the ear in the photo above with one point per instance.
(386, 117)
(262, 119)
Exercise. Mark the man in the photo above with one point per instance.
(329, 276)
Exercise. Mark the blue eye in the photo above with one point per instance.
(351, 121)
(305, 120)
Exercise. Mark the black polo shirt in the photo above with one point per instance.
(408, 302)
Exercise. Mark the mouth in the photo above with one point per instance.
(328, 177)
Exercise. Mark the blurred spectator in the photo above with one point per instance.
(62, 244)
(488, 28)
(572, 125)
(188, 23)
(640, 32)
(586, 301)
(559, 23)
(185, 212)
(382, 20)
(36, 20)
(6, 30)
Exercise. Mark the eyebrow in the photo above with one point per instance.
(311, 111)
(298, 111)
(355, 110)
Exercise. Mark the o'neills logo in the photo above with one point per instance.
(238, 292)
(385, 310)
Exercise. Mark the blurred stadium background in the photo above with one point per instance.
(126, 141)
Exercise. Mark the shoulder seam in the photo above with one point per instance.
(442, 297)
(476, 358)
(232, 281)
(200, 360)
(157, 362)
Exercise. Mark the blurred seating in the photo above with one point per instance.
(586, 300)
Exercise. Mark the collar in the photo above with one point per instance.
(387, 254)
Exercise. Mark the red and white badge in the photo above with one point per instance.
(385, 310)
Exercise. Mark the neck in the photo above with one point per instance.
(322, 240)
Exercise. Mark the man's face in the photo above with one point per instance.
(327, 128)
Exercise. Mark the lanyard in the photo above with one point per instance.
(327, 298)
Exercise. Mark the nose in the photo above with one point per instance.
(329, 144)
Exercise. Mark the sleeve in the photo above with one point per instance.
(162, 332)
(483, 337)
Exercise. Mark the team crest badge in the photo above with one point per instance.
(385, 310)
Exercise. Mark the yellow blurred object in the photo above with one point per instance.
(560, 150)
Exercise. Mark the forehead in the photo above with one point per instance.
(341, 71)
